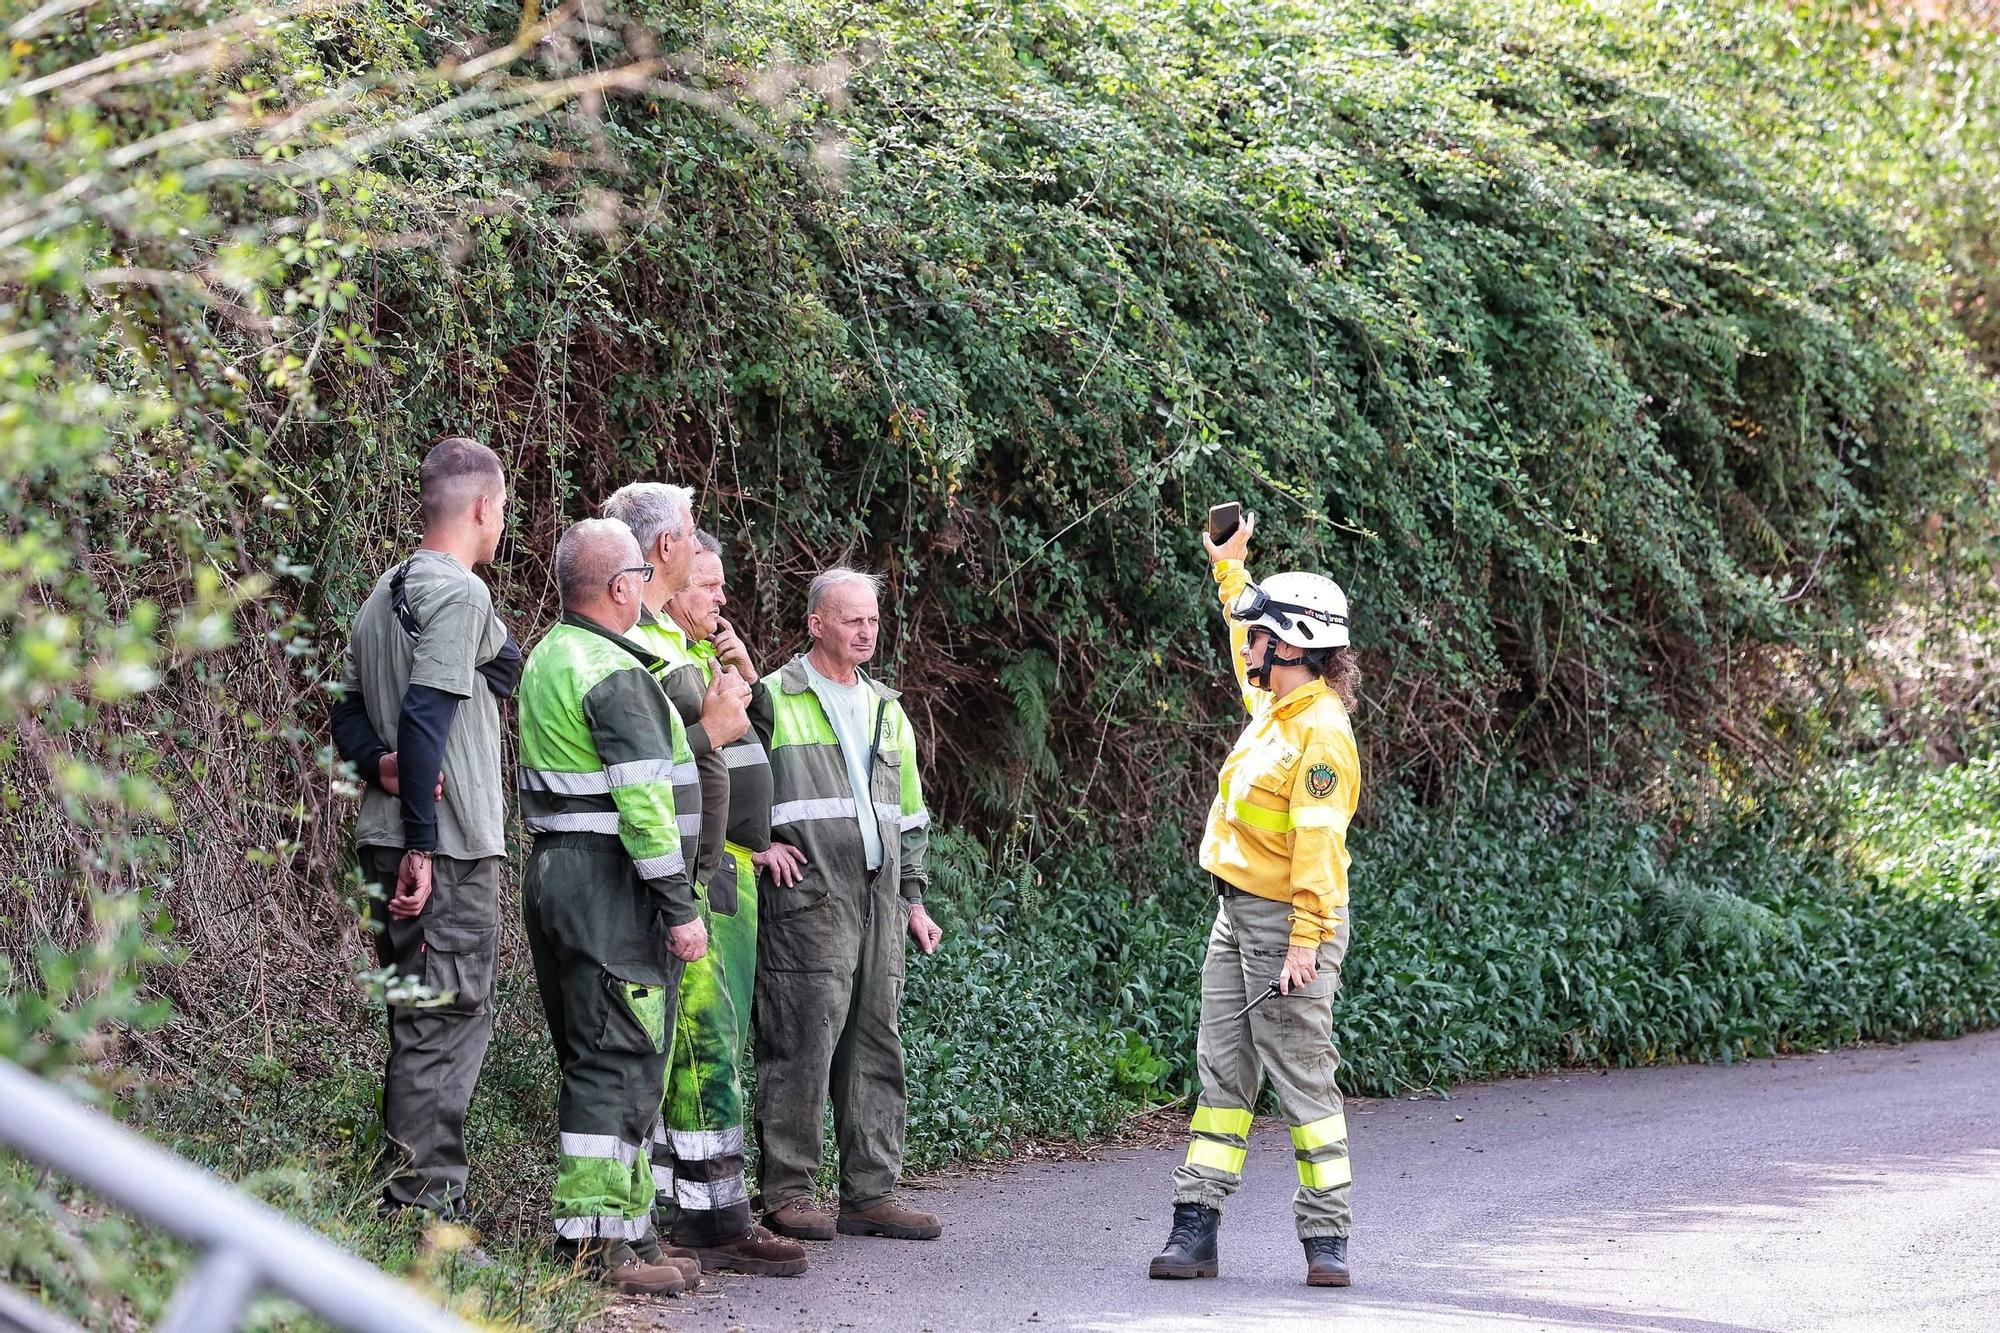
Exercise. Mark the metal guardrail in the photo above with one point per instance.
(248, 1246)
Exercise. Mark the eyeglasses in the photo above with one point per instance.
(645, 573)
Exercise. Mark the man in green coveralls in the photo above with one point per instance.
(608, 899)
(703, 1202)
(847, 804)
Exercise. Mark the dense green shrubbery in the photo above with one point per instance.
(1619, 425)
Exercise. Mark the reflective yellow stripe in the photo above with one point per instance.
(1207, 1152)
(1221, 1120)
(1256, 816)
(1325, 1175)
(1320, 1133)
(1314, 816)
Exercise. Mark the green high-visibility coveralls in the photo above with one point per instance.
(703, 1197)
(608, 789)
(830, 950)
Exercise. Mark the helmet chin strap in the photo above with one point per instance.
(1260, 672)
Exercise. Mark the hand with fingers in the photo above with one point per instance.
(927, 933)
(785, 863)
(688, 942)
(729, 649)
(725, 710)
(413, 886)
(1236, 546)
(1301, 967)
(389, 777)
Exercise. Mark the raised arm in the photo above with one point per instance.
(1226, 561)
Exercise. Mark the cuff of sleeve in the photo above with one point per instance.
(675, 910)
(369, 767)
(913, 890)
(1308, 934)
(460, 690)
(1224, 568)
(423, 839)
(698, 740)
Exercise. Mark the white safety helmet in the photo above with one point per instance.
(1301, 609)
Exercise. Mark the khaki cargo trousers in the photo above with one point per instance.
(1287, 1038)
(435, 1051)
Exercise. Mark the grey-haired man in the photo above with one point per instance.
(848, 812)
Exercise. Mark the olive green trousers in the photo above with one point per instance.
(436, 1046)
(829, 1000)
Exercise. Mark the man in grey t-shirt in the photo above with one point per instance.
(425, 669)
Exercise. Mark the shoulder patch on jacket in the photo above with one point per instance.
(1320, 781)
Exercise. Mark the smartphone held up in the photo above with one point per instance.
(1223, 520)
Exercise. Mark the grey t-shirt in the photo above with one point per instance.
(457, 631)
(851, 710)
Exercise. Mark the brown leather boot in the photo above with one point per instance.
(798, 1219)
(653, 1251)
(638, 1278)
(621, 1269)
(757, 1252)
(890, 1218)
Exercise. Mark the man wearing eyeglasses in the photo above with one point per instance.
(608, 791)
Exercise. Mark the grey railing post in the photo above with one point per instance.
(249, 1246)
(18, 1314)
(213, 1296)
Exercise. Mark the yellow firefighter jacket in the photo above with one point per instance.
(1278, 827)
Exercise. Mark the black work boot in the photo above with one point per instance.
(1326, 1261)
(1190, 1248)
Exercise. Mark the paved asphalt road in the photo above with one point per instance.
(1859, 1190)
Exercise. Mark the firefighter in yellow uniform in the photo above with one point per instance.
(1276, 847)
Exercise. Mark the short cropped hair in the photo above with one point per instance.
(589, 555)
(456, 471)
(827, 580)
(652, 509)
(708, 541)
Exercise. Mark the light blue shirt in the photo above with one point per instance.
(851, 710)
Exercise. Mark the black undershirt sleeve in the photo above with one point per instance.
(503, 673)
(427, 718)
(354, 737)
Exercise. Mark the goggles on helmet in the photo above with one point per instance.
(1253, 603)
